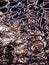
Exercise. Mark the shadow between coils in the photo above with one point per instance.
(3, 3)
(4, 9)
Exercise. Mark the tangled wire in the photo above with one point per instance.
(24, 33)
